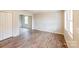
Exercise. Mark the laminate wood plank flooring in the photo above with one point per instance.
(35, 39)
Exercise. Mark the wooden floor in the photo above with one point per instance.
(35, 39)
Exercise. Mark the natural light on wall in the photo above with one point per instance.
(69, 22)
(26, 19)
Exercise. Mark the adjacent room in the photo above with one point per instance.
(36, 28)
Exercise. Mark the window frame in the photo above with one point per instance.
(68, 22)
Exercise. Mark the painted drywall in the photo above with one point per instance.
(76, 27)
(5, 25)
(16, 21)
(49, 21)
(76, 24)
(15, 26)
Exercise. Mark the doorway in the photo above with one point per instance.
(25, 24)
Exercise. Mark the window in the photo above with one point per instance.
(69, 22)
(26, 19)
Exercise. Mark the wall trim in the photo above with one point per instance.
(48, 31)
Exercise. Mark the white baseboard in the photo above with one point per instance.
(5, 36)
(49, 31)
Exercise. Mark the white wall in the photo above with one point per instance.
(15, 21)
(49, 21)
(76, 24)
(5, 25)
(76, 27)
